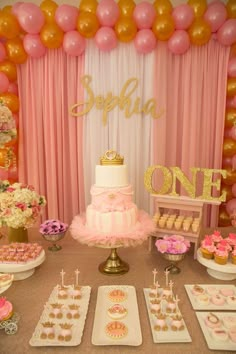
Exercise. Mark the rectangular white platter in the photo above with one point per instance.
(77, 324)
(210, 306)
(168, 336)
(131, 320)
(211, 342)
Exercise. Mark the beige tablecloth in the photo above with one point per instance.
(30, 295)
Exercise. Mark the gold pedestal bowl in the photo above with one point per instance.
(54, 238)
(174, 260)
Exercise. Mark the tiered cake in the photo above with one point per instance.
(112, 217)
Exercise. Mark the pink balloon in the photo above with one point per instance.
(179, 42)
(145, 41)
(4, 82)
(231, 102)
(3, 52)
(74, 43)
(144, 15)
(66, 17)
(183, 16)
(227, 133)
(227, 162)
(215, 16)
(34, 46)
(233, 132)
(13, 88)
(30, 17)
(106, 39)
(232, 67)
(15, 7)
(234, 189)
(231, 206)
(108, 12)
(226, 35)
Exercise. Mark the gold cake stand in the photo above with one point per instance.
(113, 265)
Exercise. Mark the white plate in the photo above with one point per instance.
(211, 342)
(78, 324)
(4, 288)
(210, 306)
(169, 336)
(131, 320)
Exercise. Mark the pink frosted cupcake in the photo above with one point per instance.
(216, 237)
(221, 256)
(224, 244)
(207, 247)
(231, 239)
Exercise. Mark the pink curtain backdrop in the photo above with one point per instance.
(50, 140)
(192, 90)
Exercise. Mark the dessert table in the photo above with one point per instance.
(29, 296)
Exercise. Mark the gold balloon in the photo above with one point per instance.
(3, 157)
(51, 35)
(231, 86)
(230, 177)
(9, 26)
(87, 24)
(163, 27)
(126, 7)
(9, 69)
(16, 51)
(88, 6)
(229, 147)
(227, 190)
(199, 7)
(199, 32)
(125, 29)
(11, 101)
(49, 8)
(163, 7)
(230, 117)
(231, 8)
(224, 218)
(7, 9)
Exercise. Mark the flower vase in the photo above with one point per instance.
(17, 235)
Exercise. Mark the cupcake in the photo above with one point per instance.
(216, 237)
(207, 247)
(221, 256)
(233, 256)
(231, 239)
(224, 244)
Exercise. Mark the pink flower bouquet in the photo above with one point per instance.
(53, 227)
(174, 244)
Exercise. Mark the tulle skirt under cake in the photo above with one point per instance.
(133, 237)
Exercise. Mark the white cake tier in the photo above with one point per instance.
(111, 176)
(112, 199)
(119, 221)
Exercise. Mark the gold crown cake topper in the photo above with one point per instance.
(111, 157)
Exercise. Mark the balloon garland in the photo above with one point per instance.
(28, 30)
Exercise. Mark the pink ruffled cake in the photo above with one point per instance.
(112, 217)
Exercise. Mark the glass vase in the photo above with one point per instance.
(17, 235)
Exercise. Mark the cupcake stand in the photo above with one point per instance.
(22, 271)
(218, 271)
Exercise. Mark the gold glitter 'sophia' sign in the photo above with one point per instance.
(124, 101)
(172, 174)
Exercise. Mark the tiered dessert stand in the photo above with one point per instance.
(218, 271)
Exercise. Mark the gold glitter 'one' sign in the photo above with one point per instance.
(125, 101)
(172, 174)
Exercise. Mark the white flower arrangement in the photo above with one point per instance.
(7, 125)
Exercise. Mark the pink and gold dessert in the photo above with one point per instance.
(170, 305)
(56, 311)
(160, 322)
(19, 252)
(207, 247)
(212, 321)
(48, 330)
(218, 300)
(73, 311)
(229, 321)
(117, 311)
(6, 279)
(155, 305)
(6, 309)
(116, 330)
(219, 334)
(221, 256)
(231, 239)
(65, 332)
(203, 299)
(227, 292)
(117, 295)
(231, 300)
(216, 236)
(198, 290)
(212, 290)
(177, 323)
(233, 256)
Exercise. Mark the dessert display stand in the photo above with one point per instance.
(181, 206)
(22, 271)
(223, 272)
(113, 264)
